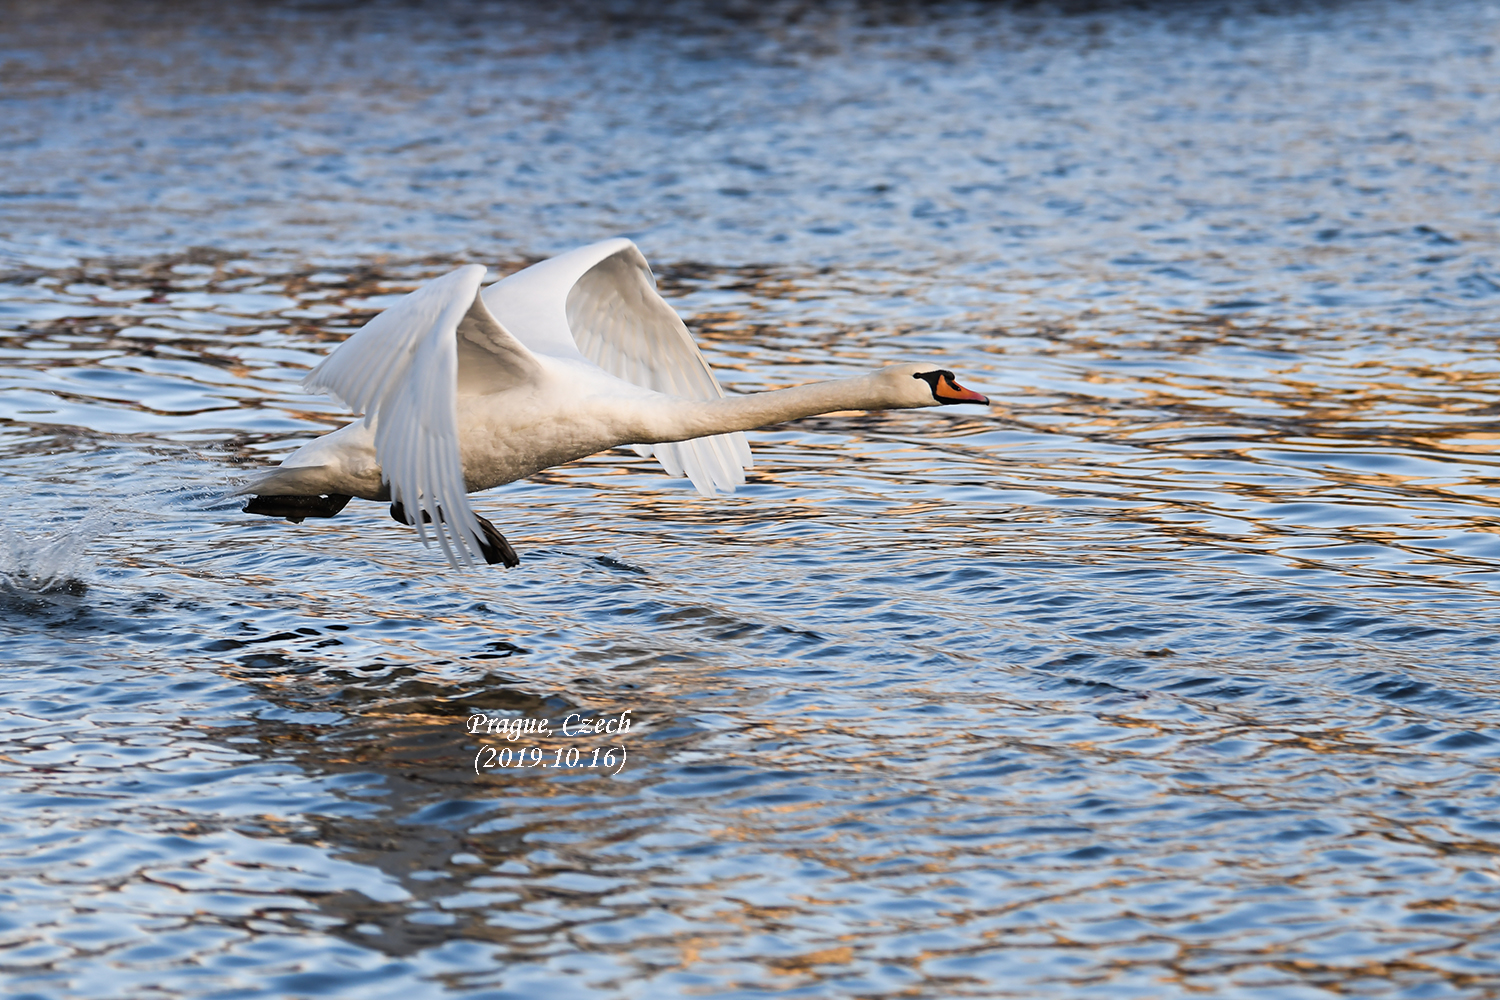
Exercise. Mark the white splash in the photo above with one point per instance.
(47, 562)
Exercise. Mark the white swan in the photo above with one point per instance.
(463, 390)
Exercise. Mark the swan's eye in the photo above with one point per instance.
(945, 388)
(934, 379)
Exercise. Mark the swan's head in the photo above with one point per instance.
(913, 385)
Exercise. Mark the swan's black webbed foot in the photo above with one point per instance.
(495, 548)
(492, 546)
(398, 513)
(295, 509)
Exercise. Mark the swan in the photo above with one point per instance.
(463, 389)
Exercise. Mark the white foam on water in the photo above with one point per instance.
(55, 560)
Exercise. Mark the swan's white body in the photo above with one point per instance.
(463, 390)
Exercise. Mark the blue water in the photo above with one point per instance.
(1171, 675)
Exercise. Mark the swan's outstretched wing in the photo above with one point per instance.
(600, 302)
(401, 371)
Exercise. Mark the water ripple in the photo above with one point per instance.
(1171, 674)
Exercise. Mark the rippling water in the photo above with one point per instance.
(1172, 674)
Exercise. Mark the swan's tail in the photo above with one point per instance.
(289, 481)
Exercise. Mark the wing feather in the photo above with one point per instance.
(401, 371)
(614, 317)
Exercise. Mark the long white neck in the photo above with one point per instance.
(684, 419)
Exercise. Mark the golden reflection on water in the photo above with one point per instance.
(1123, 441)
(1170, 674)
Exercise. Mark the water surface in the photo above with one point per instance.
(1171, 674)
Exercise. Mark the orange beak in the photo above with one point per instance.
(949, 391)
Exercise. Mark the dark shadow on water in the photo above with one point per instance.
(734, 26)
(419, 812)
